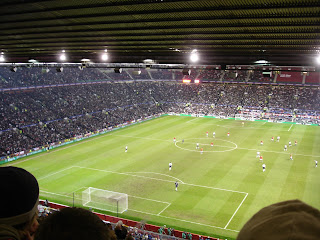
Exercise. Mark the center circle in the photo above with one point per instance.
(219, 145)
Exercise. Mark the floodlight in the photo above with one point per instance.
(104, 56)
(318, 59)
(63, 56)
(2, 59)
(194, 57)
(262, 62)
(32, 61)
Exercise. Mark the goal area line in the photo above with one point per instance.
(167, 204)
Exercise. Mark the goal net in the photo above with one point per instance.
(105, 200)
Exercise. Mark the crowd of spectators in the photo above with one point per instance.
(36, 117)
(258, 76)
(36, 76)
(210, 74)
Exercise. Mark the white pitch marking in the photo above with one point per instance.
(192, 120)
(228, 150)
(153, 139)
(55, 173)
(290, 127)
(221, 151)
(79, 189)
(182, 220)
(160, 174)
(276, 152)
(164, 209)
(125, 174)
(149, 199)
(222, 189)
(236, 211)
(188, 184)
(165, 202)
(56, 150)
(75, 144)
(62, 195)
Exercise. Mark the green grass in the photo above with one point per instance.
(219, 190)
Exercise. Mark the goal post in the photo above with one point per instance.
(105, 200)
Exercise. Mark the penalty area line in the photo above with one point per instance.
(290, 127)
(164, 209)
(236, 210)
(62, 170)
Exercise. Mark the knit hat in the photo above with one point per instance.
(19, 196)
(289, 220)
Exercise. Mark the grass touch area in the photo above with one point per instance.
(219, 190)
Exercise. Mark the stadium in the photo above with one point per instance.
(200, 113)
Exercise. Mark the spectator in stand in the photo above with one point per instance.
(120, 230)
(184, 235)
(129, 237)
(44, 116)
(72, 224)
(112, 234)
(281, 221)
(18, 204)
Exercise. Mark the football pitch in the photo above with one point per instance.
(219, 190)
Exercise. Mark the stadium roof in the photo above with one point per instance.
(283, 32)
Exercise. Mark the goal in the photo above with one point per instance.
(105, 200)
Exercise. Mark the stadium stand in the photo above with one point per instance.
(313, 78)
(258, 76)
(161, 74)
(33, 118)
(139, 73)
(46, 109)
(209, 74)
(236, 75)
(42, 108)
(289, 77)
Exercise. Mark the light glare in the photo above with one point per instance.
(104, 57)
(194, 57)
(63, 57)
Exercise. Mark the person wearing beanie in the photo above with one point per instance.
(73, 224)
(18, 204)
(288, 220)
